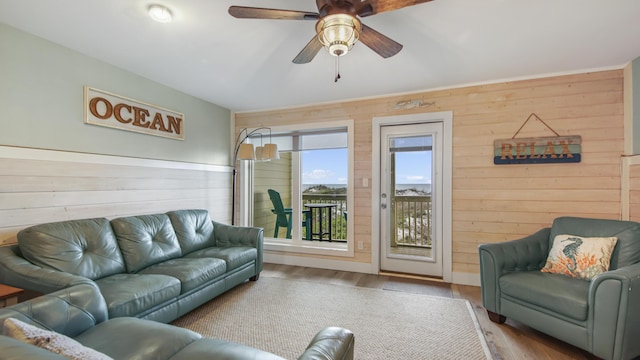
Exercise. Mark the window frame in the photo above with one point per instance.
(296, 244)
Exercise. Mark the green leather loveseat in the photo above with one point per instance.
(156, 267)
(600, 315)
(80, 313)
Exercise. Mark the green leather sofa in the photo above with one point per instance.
(601, 315)
(80, 312)
(155, 267)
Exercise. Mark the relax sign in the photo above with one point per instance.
(110, 110)
(540, 150)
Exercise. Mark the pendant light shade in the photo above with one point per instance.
(270, 152)
(245, 152)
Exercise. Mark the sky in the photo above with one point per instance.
(330, 167)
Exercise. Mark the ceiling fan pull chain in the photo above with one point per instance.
(337, 69)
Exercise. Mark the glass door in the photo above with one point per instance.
(409, 199)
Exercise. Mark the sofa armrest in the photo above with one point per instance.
(13, 349)
(69, 311)
(231, 235)
(525, 254)
(332, 343)
(19, 272)
(614, 313)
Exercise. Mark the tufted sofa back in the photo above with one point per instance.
(146, 240)
(627, 250)
(85, 248)
(193, 228)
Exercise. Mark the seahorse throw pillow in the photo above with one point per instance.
(580, 257)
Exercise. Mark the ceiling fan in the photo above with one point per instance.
(338, 26)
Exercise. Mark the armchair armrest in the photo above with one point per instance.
(526, 254)
(332, 343)
(19, 272)
(614, 313)
(231, 235)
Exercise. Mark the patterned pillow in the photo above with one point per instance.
(52, 341)
(580, 257)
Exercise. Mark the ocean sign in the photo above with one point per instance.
(538, 150)
(110, 110)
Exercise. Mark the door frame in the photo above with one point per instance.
(423, 265)
(446, 117)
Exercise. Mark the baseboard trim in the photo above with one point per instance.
(471, 279)
(365, 268)
(459, 278)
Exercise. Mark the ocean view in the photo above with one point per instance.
(419, 188)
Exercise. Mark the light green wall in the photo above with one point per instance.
(41, 101)
(635, 76)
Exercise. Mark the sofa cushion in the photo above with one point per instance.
(50, 340)
(130, 338)
(81, 247)
(192, 273)
(193, 228)
(133, 294)
(627, 250)
(579, 257)
(235, 257)
(146, 240)
(559, 294)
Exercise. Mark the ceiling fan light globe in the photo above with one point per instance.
(338, 33)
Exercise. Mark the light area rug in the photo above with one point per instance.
(282, 316)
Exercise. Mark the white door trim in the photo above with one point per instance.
(446, 117)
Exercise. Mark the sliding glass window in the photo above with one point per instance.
(303, 198)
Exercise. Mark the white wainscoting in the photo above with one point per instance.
(39, 186)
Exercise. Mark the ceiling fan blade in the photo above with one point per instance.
(379, 43)
(309, 52)
(372, 7)
(244, 12)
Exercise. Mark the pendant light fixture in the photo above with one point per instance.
(245, 151)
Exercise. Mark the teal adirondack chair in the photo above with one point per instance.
(283, 216)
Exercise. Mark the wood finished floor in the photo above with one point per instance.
(510, 341)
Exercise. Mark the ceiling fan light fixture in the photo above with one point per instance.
(338, 33)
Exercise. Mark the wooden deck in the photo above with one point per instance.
(510, 341)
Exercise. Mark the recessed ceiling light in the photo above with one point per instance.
(160, 13)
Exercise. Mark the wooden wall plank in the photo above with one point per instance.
(36, 191)
(634, 192)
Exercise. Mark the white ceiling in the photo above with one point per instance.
(245, 64)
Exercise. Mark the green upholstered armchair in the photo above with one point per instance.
(601, 315)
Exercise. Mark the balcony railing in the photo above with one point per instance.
(413, 220)
(412, 213)
(338, 213)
